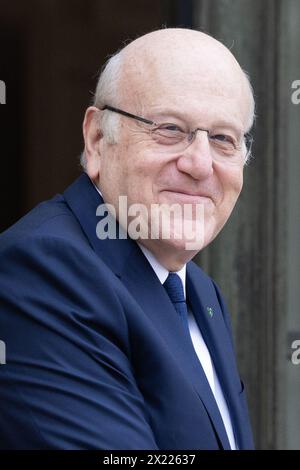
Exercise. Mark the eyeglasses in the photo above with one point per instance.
(172, 138)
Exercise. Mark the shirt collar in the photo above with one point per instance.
(160, 271)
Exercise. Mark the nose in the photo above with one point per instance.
(196, 159)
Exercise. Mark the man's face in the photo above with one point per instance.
(140, 168)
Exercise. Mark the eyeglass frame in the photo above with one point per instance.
(248, 140)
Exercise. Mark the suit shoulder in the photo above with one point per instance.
(50, 219)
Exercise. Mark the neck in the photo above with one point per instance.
(169, 257)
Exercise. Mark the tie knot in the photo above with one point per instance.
(174, 288)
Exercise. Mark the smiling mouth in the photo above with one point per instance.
(188, 195)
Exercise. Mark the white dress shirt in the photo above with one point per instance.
(199, 346)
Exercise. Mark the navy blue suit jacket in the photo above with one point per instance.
(96, 354)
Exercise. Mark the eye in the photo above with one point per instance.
(170, 127)
(168, 134)
(224, 142)
(222, 138)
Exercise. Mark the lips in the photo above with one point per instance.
(186, 196)
(189, 193)
(185, 192)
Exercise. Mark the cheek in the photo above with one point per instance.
(231, 180)
(142, 175)
(230, 183)
(236, 184)
(129, 171)
(112, 177)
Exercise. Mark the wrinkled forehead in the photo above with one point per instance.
(187, 77)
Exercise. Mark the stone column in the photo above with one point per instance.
(256, 256)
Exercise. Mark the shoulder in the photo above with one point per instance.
(47, 256)
(52, 219)
(52, 276)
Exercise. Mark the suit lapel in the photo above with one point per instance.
(209, 317)
(127, 261)
(142, 282)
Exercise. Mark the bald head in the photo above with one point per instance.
(142, 72)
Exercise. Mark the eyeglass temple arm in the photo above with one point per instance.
(124, 113)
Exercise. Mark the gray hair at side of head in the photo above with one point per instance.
(252, 116)
(108, 92)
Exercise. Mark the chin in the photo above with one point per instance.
(188, 235)
(180, 250)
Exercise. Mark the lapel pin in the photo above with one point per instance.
(210, 311)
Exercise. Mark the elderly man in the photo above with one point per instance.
(114, 338)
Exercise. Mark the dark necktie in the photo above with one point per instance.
(174, 288)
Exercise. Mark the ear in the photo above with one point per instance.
(92, 137)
